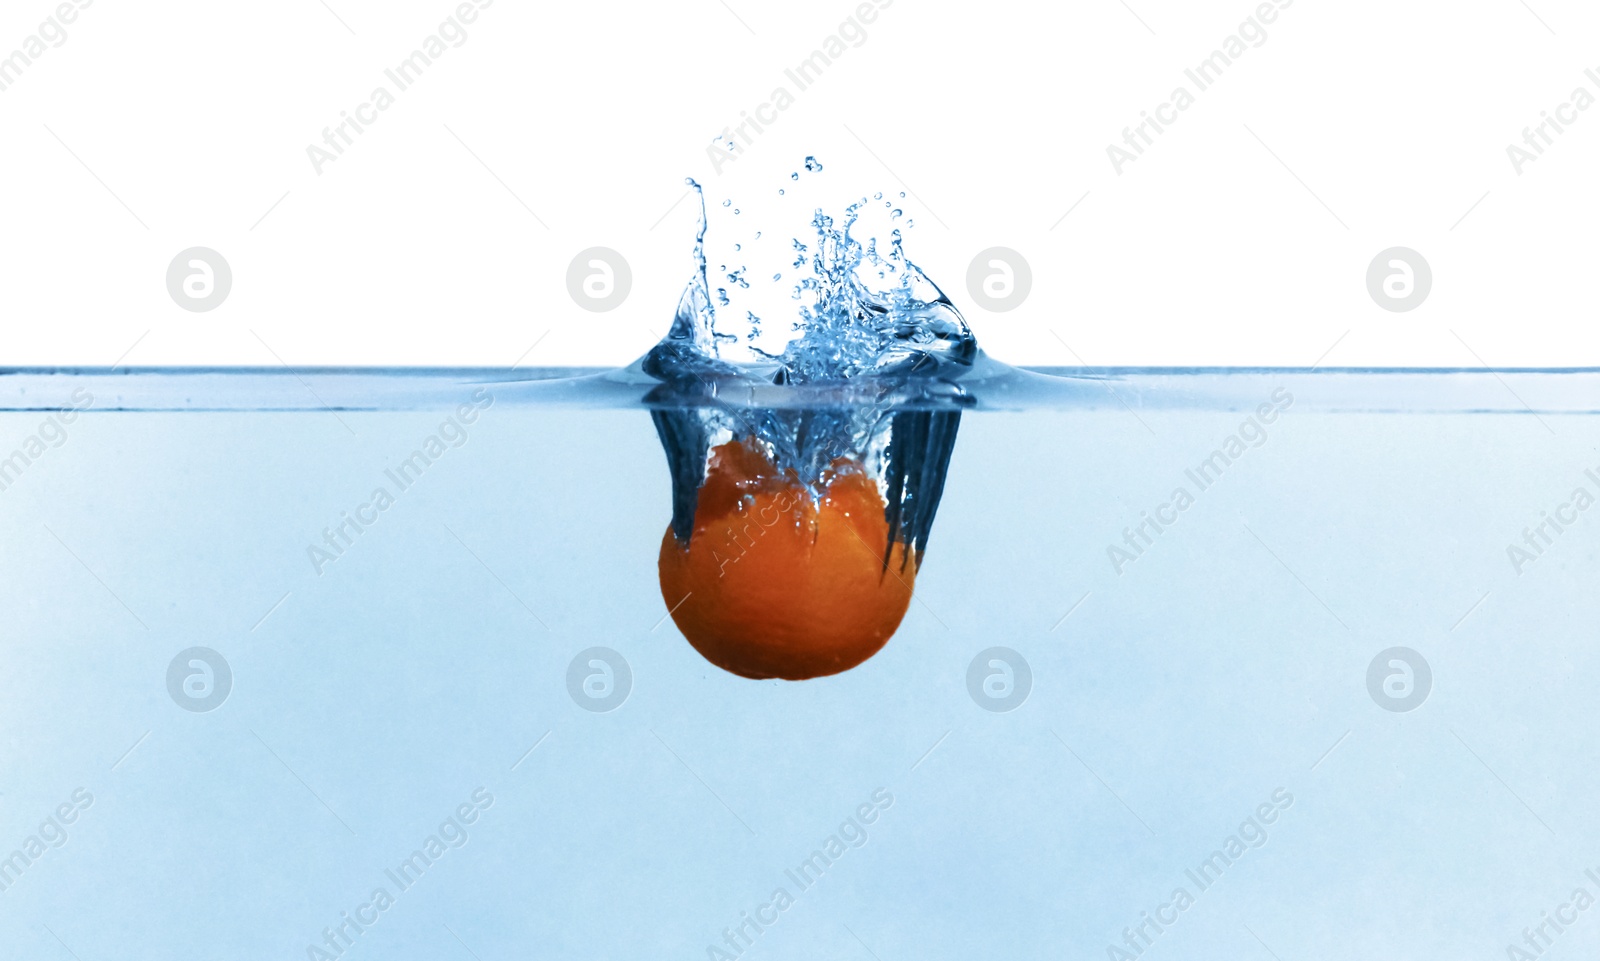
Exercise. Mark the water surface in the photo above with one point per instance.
(420, 678)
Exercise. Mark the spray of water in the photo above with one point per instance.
(860, 311)
(870, 333)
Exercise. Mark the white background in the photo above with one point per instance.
(443, 235)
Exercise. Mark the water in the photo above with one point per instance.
(858, 310)
(426, 667)
(816, 632)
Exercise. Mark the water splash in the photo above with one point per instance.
(862, 310)
(870, 330)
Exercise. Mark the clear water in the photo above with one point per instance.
(1223, 669)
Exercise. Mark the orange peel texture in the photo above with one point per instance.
(776, 584)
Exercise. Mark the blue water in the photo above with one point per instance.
(422, 675)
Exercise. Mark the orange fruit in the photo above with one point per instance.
(778, 583)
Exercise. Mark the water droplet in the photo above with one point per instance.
(794, 176)
(727, 203)
(812, 164)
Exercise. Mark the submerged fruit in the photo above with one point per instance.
(777, 582)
